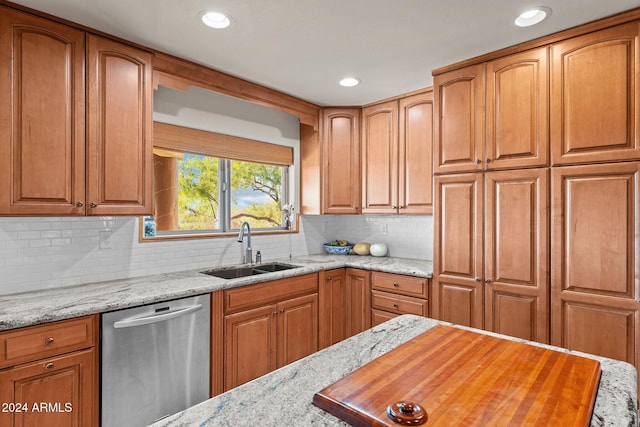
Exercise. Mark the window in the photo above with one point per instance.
(208, 183)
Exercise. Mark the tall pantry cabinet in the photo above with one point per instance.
(491, 214)
(595, 275)
(537, 191)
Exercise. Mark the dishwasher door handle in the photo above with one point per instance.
(156, 318)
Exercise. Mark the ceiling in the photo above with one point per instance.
(303, 47)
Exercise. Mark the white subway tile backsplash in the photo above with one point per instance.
(48, 252)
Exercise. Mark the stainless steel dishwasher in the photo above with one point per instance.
(155, 361)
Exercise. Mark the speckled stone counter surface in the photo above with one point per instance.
(284, 397)
(32, 308)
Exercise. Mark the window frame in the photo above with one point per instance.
(171, 137)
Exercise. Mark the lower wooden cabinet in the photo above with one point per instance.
(59, 389)
(395, 294)
(595, 265)
(345, 304)
(267, 326)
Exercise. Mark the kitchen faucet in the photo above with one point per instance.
(248, 256)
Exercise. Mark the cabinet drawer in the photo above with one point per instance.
(37, 342)
(250, 296)
(404, 285)
(379, 316)
(399, 304)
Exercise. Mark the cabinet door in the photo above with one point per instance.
(42, 111)
(119, 129)
(594, 97)
(459, 120)
(380, 158)
(595, 265)
(250, 345)
(333, 310)
(297, 328)
(358, 301)
(516, 251)
(518, 110)
(61, 388)
(415, 146)
(341, 161)
(458, 263)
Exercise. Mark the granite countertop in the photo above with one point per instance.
(33, 308)
(284, 397)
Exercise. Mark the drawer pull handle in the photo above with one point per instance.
(48, 341)
(48, 366)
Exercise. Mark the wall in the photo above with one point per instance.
(51, 252)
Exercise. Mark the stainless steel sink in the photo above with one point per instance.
(245, 270)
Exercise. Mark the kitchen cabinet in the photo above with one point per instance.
(42, 116)
(396, 156)
(267, 326)
(595, 262)
(119, 129)
(340, 160)
(515, 120)
(394, 294)
(459, 120)
(50, 373)
(344, 304)
(491, 264)
(517, 102)
(594, 97)
(49, 165)
(458, 295)
(516, 248)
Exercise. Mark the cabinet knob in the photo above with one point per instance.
(79, 204)
(329, 278)
(48, 366)
(396, 285)
(400, 207)
(488, 160)
(478, 161)
(282, 310)
(487, 280)
(93, 205)
(477, 279)
(48, 340)
(275, 313)
(395, 305)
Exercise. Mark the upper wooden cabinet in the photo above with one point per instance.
(48, 166)
(42, 116)
(415, 158)
(341, 160)
(119, 129)
(516, 116)
(380, 158)
(518, 110)
(397, 156)
(459, 120)
(594, 97)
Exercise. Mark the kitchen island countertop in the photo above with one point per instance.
(37, 307)
(284, 397)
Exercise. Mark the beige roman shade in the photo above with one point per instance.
(178, 138)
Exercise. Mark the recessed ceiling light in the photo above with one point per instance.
(217, 20)
(349, 82)
(533, 16)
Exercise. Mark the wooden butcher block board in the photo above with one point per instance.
(463, 378)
